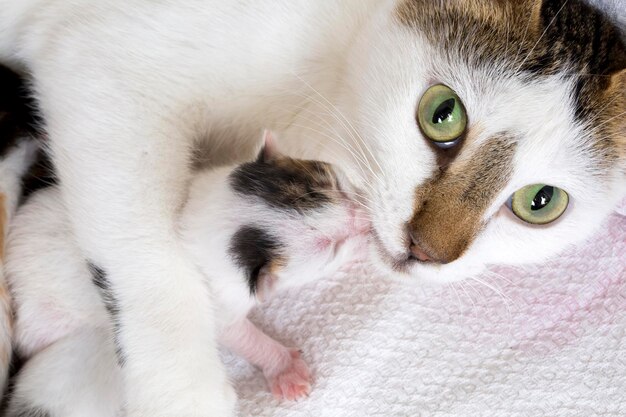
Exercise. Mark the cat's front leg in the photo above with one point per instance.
(286, 373)
(123, 175)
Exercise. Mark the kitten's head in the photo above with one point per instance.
(495, 130)
(302, 220)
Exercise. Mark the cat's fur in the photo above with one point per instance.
(247, 244)
(128, 88)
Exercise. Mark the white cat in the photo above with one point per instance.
(480, 131)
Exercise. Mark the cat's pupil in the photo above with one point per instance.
(444, 111)
(542, 198)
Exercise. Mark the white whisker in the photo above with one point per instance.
(347, 125)
(541, 37)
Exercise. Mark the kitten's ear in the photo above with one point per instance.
(269, 151)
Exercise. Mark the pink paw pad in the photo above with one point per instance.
(292, 381)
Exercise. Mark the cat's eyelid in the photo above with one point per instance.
(449, 144)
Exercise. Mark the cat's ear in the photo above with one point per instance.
(269, 150)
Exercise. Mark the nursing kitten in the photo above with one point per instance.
(480, 131)
(251, 230)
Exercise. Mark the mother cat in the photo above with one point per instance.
(447, 112)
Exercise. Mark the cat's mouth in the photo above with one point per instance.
(399, 263)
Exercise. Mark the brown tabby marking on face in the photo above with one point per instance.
(286, 183)
(538, 39)
(450, 207)
(446, 156)
(610, 127)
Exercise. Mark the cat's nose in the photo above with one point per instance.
(418, 252)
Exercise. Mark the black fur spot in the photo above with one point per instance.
(285, 184)
(40, 175)
(99, 278)
(19, 122)
(252, 248)
(17, 114)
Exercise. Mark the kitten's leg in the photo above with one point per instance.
(123, 171)
(286, 373)
(77, 376)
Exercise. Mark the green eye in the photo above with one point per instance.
(539, 203)
(441, 115)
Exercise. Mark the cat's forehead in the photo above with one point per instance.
(541, 37)
(537, 116)
(562, 54)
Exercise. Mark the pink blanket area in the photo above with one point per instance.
(545, 340)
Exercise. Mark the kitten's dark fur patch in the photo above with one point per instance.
(100, 280)
(285, 183)
(252, 249)
(17, 115)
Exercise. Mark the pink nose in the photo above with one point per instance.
(418, 251)
(420, 254)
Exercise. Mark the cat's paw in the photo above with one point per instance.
(292, 381)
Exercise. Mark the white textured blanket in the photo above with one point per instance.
(543, 341)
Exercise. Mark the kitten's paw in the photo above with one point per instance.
(293, 380)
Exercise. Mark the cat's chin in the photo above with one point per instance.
(424, 274)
